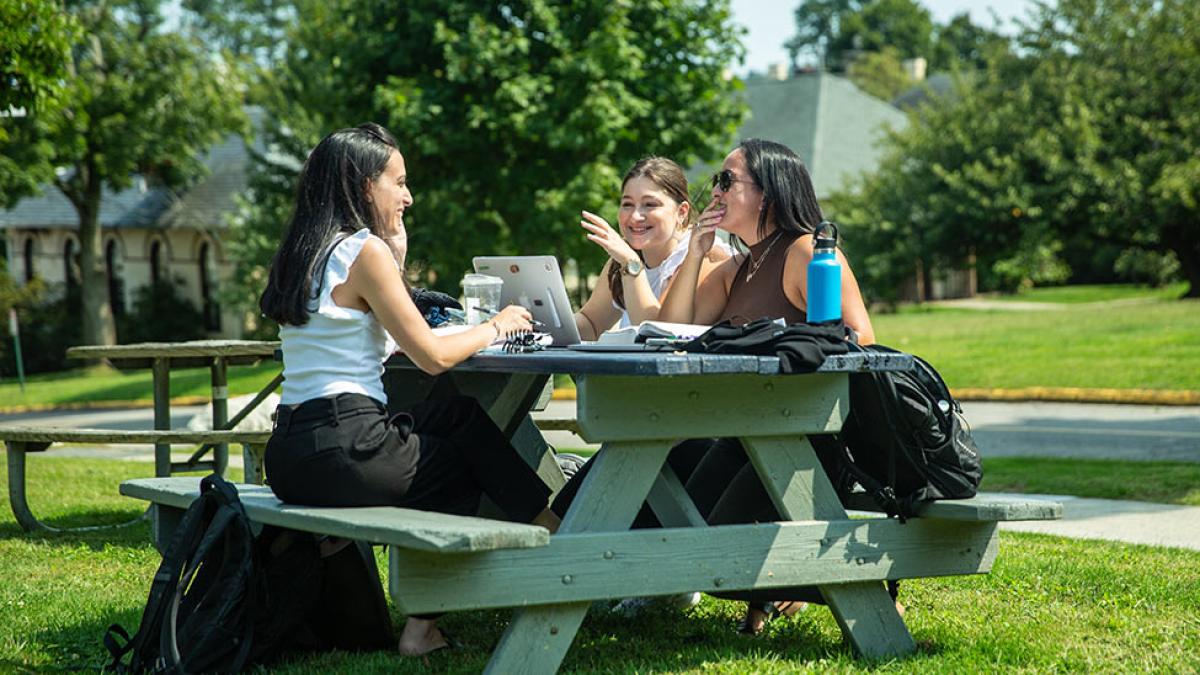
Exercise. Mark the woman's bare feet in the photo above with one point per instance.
(421, 636)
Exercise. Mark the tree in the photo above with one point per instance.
(1088, 134)
(839, 30)
(35, 39)
(137, 100)
(512, 117)
(880, 74)
(962, 44)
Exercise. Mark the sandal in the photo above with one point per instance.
(770, 610)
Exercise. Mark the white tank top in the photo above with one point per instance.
(340, 350)
(660, 276)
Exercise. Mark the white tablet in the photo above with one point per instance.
(536, 283)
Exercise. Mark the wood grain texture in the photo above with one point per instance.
(980, 508)
(194, 348)
(60, 435)
(407, 528)
(629, 408)
(593, 566)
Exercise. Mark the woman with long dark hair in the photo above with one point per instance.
(337, 291)
(764, 198)
(653, 217)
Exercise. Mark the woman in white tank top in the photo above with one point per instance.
(654, 216)
(337, 292)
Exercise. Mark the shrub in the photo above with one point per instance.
(161, 313)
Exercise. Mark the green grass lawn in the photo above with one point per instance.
(1162, 482)
(1152, 345)
(102, 384)
(1084, 293)
(1050, 604)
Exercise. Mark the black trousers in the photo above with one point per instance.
(440, 456)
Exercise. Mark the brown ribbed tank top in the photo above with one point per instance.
(762, 296)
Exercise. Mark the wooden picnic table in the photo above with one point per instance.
(161, 357)
(638, 405)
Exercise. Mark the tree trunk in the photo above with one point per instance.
(1183, 241)
(98, 325)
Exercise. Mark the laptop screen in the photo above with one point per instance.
(536, 283)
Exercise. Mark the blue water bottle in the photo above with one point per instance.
(824, 277)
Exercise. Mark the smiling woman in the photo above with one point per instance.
(644, 256)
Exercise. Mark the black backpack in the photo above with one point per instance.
(905, 440)
(223, 599)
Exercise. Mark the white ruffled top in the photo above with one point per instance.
(340, 350)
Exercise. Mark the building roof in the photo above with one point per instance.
(204, 204)
(833, 125)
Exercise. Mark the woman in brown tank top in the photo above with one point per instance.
(764, 197)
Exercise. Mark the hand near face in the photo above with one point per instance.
(704, 234)
(600, 232)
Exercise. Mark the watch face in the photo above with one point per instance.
(633, 267)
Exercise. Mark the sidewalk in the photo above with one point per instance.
(1124, 521)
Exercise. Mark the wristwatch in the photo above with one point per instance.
(633, 268)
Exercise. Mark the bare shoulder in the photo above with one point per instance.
(801, 250)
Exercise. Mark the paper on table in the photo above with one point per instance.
(651, 329)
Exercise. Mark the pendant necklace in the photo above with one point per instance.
(755, 265)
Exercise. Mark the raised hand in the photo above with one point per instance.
(608, 238)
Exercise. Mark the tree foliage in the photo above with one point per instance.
(137, 100)
(1090, 135)
(512, 117)
(837, 31)
(35, 41)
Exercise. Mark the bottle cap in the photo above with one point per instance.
(825, 243)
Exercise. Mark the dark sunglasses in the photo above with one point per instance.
(724, 180)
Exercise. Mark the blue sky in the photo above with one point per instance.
(771, 23)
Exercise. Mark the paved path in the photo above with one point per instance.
(1002, 429)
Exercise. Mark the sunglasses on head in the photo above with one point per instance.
(723, 180)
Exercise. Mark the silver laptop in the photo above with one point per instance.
(535, 282)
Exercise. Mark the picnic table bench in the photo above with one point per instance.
(161, 358)
(19, 441)
(638, 406)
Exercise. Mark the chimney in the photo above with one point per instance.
(777, 71)
(915, 68)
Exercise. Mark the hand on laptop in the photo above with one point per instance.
(512, 320)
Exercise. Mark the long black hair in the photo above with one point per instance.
(788, 193)
(331, 198)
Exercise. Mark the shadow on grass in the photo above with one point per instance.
(115, 527)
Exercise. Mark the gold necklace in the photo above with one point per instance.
(755, 265)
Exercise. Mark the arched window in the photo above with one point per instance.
(208, 290)
(71, 264)
(29, 260)
(156, 270)
(116, 284)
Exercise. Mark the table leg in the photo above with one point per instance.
(220, 409)
(797, 483)
(161, 368)
(609, 498)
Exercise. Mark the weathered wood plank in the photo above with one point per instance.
(594, 566)
(194, 348)
(59, 435)
(407, 528)
(557, 424)
(628, 408)
(800, 489)
(608, 499)
(982, 507)
(535, 642)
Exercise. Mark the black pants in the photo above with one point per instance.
(438, 456)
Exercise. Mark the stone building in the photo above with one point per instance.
(148, 233)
